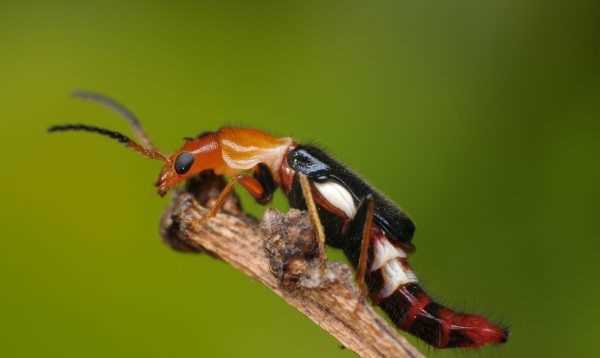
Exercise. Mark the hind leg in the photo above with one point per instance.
(358, 236)
(365, 244)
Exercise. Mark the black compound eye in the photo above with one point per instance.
(183, 163)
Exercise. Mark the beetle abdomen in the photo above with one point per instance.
(394, 287)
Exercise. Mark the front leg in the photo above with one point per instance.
(221, 198)
(253, 188)
(260, 185)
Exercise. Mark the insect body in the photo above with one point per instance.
(345, 201)
(375, 235)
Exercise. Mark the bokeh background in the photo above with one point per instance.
(481, 119)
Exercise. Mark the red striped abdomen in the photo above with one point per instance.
(394, 287)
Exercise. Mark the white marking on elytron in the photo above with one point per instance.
(337, 196)
(384, 251)
(239, 148)
(394, 276)
(241, 164)
(238, 157)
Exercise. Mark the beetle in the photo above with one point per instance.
(374, 234)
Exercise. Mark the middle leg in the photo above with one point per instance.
(314, 216)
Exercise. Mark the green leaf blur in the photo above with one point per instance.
(481, 119)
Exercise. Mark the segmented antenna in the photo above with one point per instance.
(119, 137)
(120, 109)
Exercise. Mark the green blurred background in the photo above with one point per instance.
(481, 119)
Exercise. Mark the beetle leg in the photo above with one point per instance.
(314, 215)
(260, 185)
(365, 244)
(221, 198)
(253, 187)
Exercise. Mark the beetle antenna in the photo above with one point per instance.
(120, 109)
(121, 138)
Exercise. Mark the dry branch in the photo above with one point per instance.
(283, 254)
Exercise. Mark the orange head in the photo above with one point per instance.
(195, 156)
